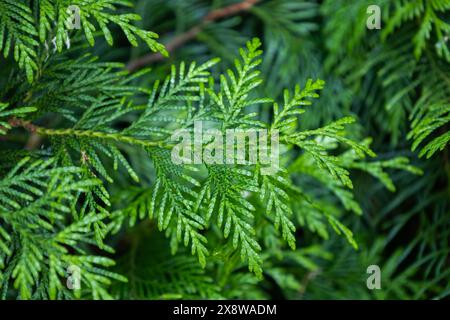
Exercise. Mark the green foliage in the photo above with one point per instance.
(25, 35)
(6, 114)
(87, 178)
(411, 75)
(156, 274)
(17, 32)
(40, 232)
(429, 13)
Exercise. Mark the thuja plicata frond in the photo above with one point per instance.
(111, 158)
(411, 57)
(224, 196)
(41, 239)
(28, 35)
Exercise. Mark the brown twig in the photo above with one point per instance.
(33, 141)
(178, 41)
(16, 123)
(307, 279)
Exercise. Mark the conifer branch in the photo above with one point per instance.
(200, 229)
(34, 129)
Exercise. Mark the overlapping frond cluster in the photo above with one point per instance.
(433, 17)
(431, 114)
(186, 203)
(42, 234)
(153, 273)
(29, 34)
(98, 124)
(411, 75)
(374, 74)
(401, 69)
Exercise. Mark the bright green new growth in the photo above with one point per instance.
(37, 243)
(106, 165)
(25, 34)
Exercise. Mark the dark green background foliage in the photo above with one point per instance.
(86, 177)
